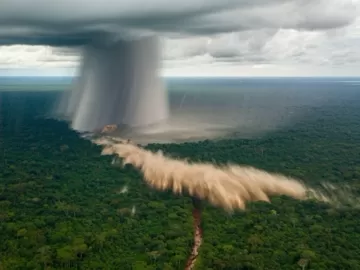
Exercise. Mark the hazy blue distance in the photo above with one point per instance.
(211, 108)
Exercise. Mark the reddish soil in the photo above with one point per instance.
(198, 237)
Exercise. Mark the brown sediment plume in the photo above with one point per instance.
(108, 129)
(228, 187)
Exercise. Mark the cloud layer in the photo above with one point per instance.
(74, 22)
(259, 49)
(217, 34)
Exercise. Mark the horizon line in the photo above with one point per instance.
(191, 76)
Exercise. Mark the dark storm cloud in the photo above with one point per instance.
(77, 22)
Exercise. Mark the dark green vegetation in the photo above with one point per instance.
(60, 205)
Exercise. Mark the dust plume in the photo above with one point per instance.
(229, 187)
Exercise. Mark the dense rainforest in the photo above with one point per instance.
(63, 206)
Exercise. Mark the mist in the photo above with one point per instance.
(118, 84)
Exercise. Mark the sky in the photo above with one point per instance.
(199, 38)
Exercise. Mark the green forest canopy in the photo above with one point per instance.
(61, 205)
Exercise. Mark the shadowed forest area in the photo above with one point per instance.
(63, 206)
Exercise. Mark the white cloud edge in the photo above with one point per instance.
(236, 52)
